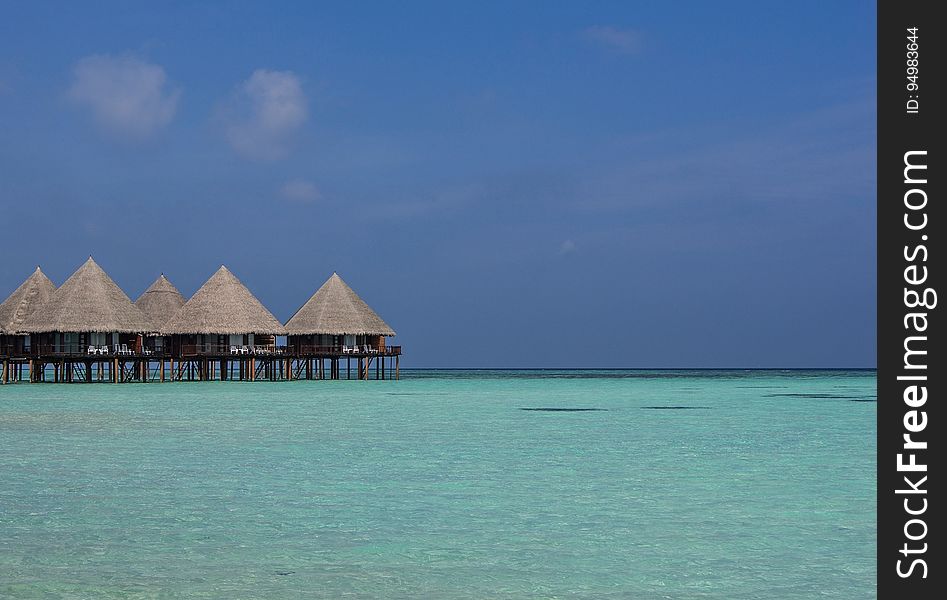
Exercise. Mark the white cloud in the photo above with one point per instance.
(300, 190)
(127, 96)
(264, 113)
(623, 41)
(567, 247)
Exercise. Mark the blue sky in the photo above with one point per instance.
(609, 184)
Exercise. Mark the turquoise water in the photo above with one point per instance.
(439, 486)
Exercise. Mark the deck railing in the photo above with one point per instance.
(92, 351)
(228, 350)
(344, 351)
(77, 351)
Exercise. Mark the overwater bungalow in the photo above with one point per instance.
(159, 302)
(88, 311)
(335, 321)
(17, 308)
(223, 318)
(86, 319)
(221, 331)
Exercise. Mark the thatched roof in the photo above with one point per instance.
(160, 301)
(336, 310)
(223, 305)
(24, 300)
(88, 301)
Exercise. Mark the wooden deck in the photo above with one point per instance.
(201, 364)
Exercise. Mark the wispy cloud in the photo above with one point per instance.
(264, 113)
(615, 39)
(300, 190)
(817, 158)
(127, 96)
(567, 247)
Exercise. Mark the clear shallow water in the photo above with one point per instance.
(439, 486)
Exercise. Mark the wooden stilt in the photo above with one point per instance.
(397, 367)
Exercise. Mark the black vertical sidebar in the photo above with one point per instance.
(911, 370)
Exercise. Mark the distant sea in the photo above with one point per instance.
(681, 484)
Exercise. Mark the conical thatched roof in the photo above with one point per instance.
(160, 301)
(336, 310)
(32, 293)
(88, 301)
(223, 305)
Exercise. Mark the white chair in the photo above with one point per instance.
(91, 350)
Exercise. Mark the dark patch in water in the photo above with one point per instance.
(863, 400)
(813, 396)
(285, 572)
(761, 387)
(543, 409)
(676, 407)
